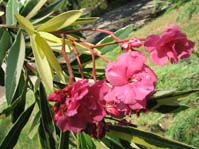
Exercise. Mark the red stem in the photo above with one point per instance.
(78, 59)
(63, 52)
(95, 52)
(93, 63)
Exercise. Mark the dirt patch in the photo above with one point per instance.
(136, 12)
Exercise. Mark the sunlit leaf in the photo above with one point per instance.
(56, 44)
(35, 125)
(43, 66)
(82, 21)
(25, 24)
(11, 9)
(61, 21)
(36, 8)
(1, 13)
(15, 62)
(5, 43)
(147, 139)
(11, 138)
(43, 46)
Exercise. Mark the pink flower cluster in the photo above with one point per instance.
(78, 105)
(171, 45)
(82, 106)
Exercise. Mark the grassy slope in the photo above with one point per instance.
(182, 126)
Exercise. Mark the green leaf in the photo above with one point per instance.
(147, 139)
(86, 141)
(20, 94)
(4, 44)
(45, 112)
(48, 9)
(25, 24)
(64, 140)
(52, 60)
(11, 138)
(11, 9)
(36, 8)
(28, 6)
(10, 108)
(112, 142)
(61, 21)
(168, 101)
(35, 125)
(87, 20)
(46, 118)
(43, 66)
(2, 76)
(14, 67)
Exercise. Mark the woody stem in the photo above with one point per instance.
(63, 52)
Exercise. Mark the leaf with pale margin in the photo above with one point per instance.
(42, 64)
(52, 60)
(5, 43)
(168, 101)
(14, 67)
(11, 9)
(48, 9)
(82, 21)
(11, 138)
(61, 21)
(35, 10)
(147, 139)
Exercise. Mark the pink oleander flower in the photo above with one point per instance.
(130, 44)
(171, 45)
(132, 81)
(78, 105)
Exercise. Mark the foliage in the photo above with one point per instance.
(32, 44)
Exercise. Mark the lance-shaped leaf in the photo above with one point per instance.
(35, 10)
(11, 9)
(61, 21)
(86, 141)
(20, 94)
(82, 21)
(48, 9)
(43, 46)
(56, 43)
(25, 24)
(47, 125)
(4, 45)
(15, 62)
(43, 66)
(168, 101)
(11, 138)
(147, 139)
(64, 140)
